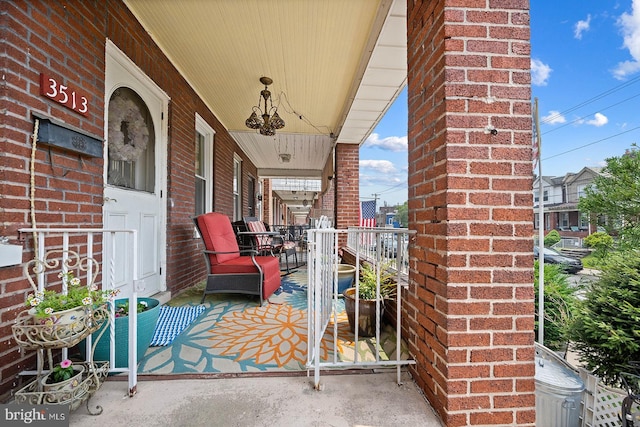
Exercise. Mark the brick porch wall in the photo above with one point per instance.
(471, 299)
(347, 184)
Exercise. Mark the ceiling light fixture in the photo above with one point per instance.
(270, 118)
(285, 158)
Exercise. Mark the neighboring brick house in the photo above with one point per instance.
(469, 315)
(560, 200)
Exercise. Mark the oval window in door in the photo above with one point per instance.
(130, 142)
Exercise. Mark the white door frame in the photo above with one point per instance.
(111, 83)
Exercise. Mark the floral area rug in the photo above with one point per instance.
(234, 335)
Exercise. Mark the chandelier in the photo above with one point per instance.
(270, 118)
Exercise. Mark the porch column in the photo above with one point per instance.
(470, 305)
(347, 185)
(266, 201)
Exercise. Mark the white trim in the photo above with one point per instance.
(203, 128)
(237, 202)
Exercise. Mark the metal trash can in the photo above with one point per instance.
(558, 391)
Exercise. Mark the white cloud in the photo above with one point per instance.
(580, 27)
(630, 24)
(554, 118)
(598, 120)
(390, 143)
(539, 72)
(378, 166)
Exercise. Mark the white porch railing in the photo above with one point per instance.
(389, 246)
(375, 245)
(82, 241)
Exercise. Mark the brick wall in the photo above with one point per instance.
(471, 302)
(266, 200)
(348, 184)
(67, 40)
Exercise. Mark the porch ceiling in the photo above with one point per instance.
(336, 67)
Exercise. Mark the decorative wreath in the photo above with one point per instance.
(125, 110)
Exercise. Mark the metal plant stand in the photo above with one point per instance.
(43, 338)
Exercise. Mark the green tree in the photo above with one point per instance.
(402, 214)
(606, 329)
(552, 238)
(560, 302)
(599, 241)
(615, 193)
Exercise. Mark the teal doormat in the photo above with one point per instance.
(172, 321)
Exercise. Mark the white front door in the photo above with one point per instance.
(135, 158)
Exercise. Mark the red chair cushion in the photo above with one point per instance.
(270, 270)
(218, 235)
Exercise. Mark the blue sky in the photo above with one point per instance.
(585, 73)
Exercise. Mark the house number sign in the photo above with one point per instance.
(64, 94)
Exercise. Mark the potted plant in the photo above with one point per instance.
(63, 377)
(346, 276)
(367, 297)
(148, 310)
(66, 312)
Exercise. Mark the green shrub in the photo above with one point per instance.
(552, 238)
(593, 262)
(606, 329)
(601, 242)
(560, 302)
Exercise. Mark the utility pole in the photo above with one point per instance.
(375, 199)
(541, 222)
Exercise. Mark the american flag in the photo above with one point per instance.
(368, 213)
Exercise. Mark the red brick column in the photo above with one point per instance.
(266, 201)
(471, 302)
(347, 185)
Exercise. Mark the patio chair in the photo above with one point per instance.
(231, 270)
(269, 242)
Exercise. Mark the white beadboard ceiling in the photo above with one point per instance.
(336, 66)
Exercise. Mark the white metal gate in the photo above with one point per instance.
(323, 298)
(83, 241)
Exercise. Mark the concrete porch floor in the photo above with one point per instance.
(365, 399)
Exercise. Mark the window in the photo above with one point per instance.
(580, 190)
(131, 147)
(251, 196)
(564, 219)
(203, 167)
(584, 221)
(237, 189)
(545, 196)
(536, 221)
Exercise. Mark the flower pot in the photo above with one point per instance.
(367, 313)
(346, 276)
(66, 324)
(64, 317)
(146, 326)
(66, 385)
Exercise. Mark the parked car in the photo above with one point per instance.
(390, 244)
(551, 256)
